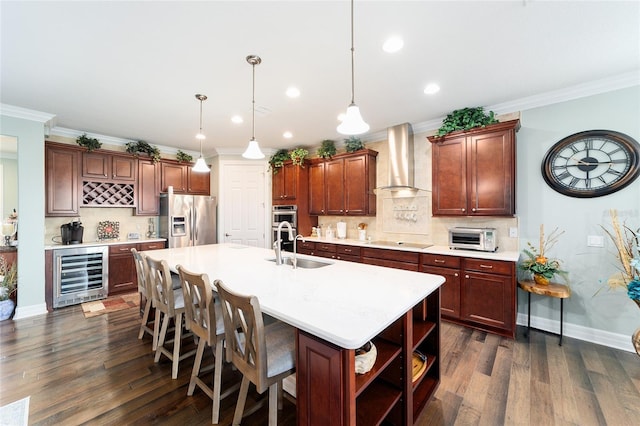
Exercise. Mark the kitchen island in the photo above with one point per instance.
(336, 309)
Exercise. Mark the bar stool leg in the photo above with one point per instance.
(561, 317)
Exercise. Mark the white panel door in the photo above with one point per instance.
(243, 204)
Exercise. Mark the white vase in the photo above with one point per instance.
(6, 309)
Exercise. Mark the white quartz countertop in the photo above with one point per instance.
(511, 256)
(344, 303)
(57, 246)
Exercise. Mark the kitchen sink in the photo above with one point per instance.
(303, 263)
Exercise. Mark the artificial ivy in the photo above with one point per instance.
(466, 119)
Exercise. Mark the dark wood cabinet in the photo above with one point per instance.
(474, 171)
(398, 259)
(286, 181)
(110, 167)
(62, 180)
(477, 292)
(198, 183)
(317, 199)
(175, 175)
(488, 294)
(183, 179)
(148, 189)
(331, 393)
(122, 268)
(344, 185)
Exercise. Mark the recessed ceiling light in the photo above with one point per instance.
(287, 135)
(293, 92)
(236, 119)
(393, 44)
(431, 88)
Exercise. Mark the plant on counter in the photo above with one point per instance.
(627, 242)
(87, 142)
(466, 119)
(327, 149)
(298, 155)
(543, 268)
(183, 157)
(277, 160)
(353, 144)
(143, 147)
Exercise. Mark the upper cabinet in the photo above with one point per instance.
(148, 191)
(343, 185)
(101, 166)
(62, 177)
(474, 171)
(183, 179)
(285, 182)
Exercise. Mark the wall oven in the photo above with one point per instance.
(280, 214)
(79, 274)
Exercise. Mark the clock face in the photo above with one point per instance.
(592, 163)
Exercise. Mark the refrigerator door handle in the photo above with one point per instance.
(195, 226)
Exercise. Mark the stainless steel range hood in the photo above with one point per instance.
(400, 172)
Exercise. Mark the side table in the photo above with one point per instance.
(559, 291)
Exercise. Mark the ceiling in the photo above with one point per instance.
(131, 69)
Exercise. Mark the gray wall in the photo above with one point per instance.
(589, 267)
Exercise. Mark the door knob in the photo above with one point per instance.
(227, 234)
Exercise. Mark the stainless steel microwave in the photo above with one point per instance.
(482, 239)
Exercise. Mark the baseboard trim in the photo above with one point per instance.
(600, 337)
(30, 311)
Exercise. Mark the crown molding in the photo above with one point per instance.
(112, 140)
(27, 114)
(596, 87)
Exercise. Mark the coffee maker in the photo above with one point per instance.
(72, 232)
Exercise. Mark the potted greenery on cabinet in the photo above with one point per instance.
(353, 144)
(298, 155)
(466, 119)
(327, 149)
(277, 160)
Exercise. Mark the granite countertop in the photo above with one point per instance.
(510, 256)
(56, 246)
(344, 303)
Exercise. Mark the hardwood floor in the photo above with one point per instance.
(96, 371)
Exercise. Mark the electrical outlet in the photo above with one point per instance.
(513, 232)
(595, 241)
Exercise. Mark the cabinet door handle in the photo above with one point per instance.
(466, 276)
(455, 275)
(439, 261)
(473, 209)
(347, 250)
(486, 266)
(464, 210)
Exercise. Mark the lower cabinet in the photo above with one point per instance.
(331, 393)
(391, 258)
(478, 293)
(122, 268)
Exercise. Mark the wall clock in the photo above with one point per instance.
(592, 163)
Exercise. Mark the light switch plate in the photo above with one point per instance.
(513, 232)
(133, 235)
(595, 241)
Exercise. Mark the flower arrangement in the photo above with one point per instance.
(543, 268)
(626, 241)
(8, 279)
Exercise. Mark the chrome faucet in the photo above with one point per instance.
(295, 251)
(276, 245)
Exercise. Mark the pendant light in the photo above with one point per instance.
(353, 124)
(200, 165)
(253, 151)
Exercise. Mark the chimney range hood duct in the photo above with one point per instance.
(401, 164)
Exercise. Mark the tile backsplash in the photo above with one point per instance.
(90, 216)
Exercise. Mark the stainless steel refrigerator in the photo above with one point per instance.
(187, 220)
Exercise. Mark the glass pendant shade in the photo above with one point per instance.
(200, 166)
(353, 124)
(253, 151)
